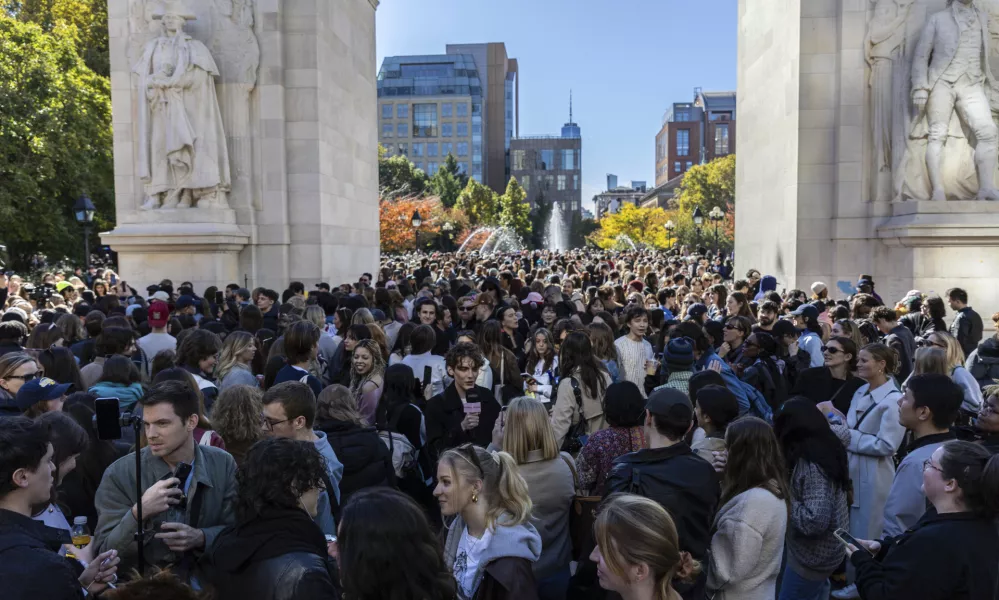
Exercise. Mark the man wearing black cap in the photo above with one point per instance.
(806, 321)
(670, 473)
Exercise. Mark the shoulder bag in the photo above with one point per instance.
(576, 436)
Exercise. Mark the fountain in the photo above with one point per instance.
(475, 234)
(556, 232)
(498, 239)
(624, 241)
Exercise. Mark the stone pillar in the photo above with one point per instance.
(296, 91)
(808, 207)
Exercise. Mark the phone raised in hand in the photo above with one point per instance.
(107, 418)
(220, 299)
(848, 540)
(428, 374)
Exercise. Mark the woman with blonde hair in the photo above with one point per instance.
(237, 353)
(848, 329)
(236, 418)
(491, 544)
(955, 363)
(367, 371)
(526, 434)
(363, 316)
(638, 549)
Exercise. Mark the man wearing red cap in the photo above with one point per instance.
(158, 339)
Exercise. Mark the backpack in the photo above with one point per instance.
(405, 456)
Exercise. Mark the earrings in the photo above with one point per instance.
(475, 498)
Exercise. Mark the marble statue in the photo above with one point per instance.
(951, 77)
(183, 157)
(885, 49)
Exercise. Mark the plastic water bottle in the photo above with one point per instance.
(80, 533)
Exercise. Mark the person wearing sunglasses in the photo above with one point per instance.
(16, 369)
(987, 423)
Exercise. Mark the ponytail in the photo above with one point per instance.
(503, 487)
(976, 471)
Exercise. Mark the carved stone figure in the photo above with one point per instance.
(950, 72)
(183, 158)
(885, 49)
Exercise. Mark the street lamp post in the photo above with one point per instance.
(698, 221)
(84, 212)
(716, 215)
(448, 230)
(670, 227)
(416, 221)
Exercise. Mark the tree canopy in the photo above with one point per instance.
(85, 22)
(448, 181)
(514, 212)
(480, 203)
(399, 178)
(708, 186)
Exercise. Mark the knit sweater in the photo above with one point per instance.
(818, 508)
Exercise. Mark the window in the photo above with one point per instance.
(561, 183)
(424, 120)
(476, 109)
(683, 142)
(476, 128)
(387, 130)
(549, 180)
(689, 164)
(568, 160)
(721, 140)
(462, 129)
(525, 182)
(575, 182)
(446, 109)
(418, 165)
(386, 111)
(462, 148)
(446, 129)
(547, 160)
(404, 149)
(476, 148)
(676, 167)
(447, 148)
(418, 149)
(463, 167)
(431, 168)
(432, 149)
(402, 130)
(461, 109)
(518, 160)
(681, 115)
(402, 111)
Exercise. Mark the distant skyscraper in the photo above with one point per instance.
(550, 167)
(463, 102)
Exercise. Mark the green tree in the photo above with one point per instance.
(580, 229)
(479, 203)
(85, 22)
(55, 143)
(708, 186)
(398, 177)
(514, 212)
(448, 182)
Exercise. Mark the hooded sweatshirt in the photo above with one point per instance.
(499, 541)
(127, 395)
(767, 284)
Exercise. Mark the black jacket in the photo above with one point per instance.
(30, 565)
(365, 458)
(272, 318)
(983, 363)
(952, 556)
(7, 348)
(280, 555)
(444, 415)
(684, 484)
(968, 329)
(903, 342)
(818, 385)
(8, 408)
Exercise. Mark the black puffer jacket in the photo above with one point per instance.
(30, 565)
(983, 364)
(365, 457)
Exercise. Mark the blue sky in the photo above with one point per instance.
(626, 62)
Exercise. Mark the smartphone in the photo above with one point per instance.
(847, 539)
(219, 299)
(182, 473)
(107, 419)
(428, 373)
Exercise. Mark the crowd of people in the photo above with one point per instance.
(532, 425)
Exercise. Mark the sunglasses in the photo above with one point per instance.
(830, 349)
(929, 344)
(29, 376)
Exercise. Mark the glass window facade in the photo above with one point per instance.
(561, 183)
(431, 168)
(432, 149)
(402, 130)
(721, 140)
(519, 160)
(525, 182)
(447, 148)
(402, 111)
(387, 130)
(549, 181)
(403, 149)
(462, 129)
(463, 167)
(676, 167)
(446, 129)
(689, 165)
(386, 111)
(569, 160)
(683, 142)
(424, 120)
(462, 148)
(547, 160)
(575, 182)
(461, 109)
(418, 149)
(445, 109)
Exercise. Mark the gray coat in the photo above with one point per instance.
(214, 476)
(873, 443)
(551, 487)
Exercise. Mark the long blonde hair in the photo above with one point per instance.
(632, 530)
(316, 315)
(504, 490)
(528, 428)
(357, 381)
(931, 360)
(235, 344)
(955, 354)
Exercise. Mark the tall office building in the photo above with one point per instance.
(695, 133)
(551, 166)
(463, 102)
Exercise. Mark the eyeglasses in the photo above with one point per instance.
(831, 349)
(465, 308)
(929, 344)
(268, 424)
(28, 377)
(733, 327)
(929, 465)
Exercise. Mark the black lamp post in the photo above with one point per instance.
(698, 221)
(84, 212)
(717, 216)
(670, 227)
(416, 222)
(448, 230)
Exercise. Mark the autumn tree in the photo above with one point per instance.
(514, 211)
(480, 203)
(395, 218)
(644, 226)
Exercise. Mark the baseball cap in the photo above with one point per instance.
(806, 310)
(818, 287)
(669, 404)
(161, 296)
(185, 301)
(696, 311)
(533, 297)
(40, 390)
(863, 282)
(159, 314)
(63, 285)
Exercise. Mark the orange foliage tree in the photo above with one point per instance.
(395, 222)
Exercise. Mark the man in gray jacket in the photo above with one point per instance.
(182, 518)
(928, 410)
